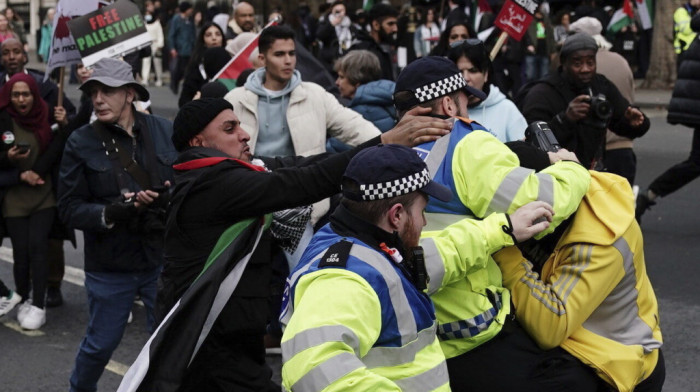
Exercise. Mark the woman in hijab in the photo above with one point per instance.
(29, 206)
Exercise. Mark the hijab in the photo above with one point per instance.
(37, 120)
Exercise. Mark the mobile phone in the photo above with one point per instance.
(159, 188)
(23, 147)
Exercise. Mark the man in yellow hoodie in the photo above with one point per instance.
(592, 296)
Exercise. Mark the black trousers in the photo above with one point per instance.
(30, 242)
(512, 362)
(623, 162)
(680, 174)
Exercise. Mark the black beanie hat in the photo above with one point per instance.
(193, 117)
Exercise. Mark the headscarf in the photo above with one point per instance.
(37, 120)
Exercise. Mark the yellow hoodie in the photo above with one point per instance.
(593, 297)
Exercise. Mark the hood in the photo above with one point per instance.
(257, 78)
(495, 97)
(609, 204)
(379, 92)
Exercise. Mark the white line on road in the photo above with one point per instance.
(72, 275)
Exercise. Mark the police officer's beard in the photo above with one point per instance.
(408, 235)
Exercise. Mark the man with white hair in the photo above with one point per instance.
(619, 155)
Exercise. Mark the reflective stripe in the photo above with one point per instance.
(571, 274)
(470, 327)
(437, 154)
(539, 291)
(287, 312)
(433, 264)
(395, 356)
(546, 189)
(505, 194)
(438, 220)
(405, 321)
(426, 381)
(617, 317)
(327, 372)
(317, 336)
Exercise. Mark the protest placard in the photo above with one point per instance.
(111, 31)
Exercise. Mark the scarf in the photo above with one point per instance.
(37, 120)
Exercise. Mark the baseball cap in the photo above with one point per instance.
(390, 170)
(429, 78)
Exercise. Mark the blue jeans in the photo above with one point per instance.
(110, 299)
(536, 67)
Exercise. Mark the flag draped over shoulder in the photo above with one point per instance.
(239, 63)
(165, 358)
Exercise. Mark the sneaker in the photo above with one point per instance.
(159, 83)
(8, 303)
(643, 204)
(34, 318)
(23, 309)
(54, 297)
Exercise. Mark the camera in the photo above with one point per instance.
(541, 136)
(601, 109)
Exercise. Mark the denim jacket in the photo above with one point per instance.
(88, 182)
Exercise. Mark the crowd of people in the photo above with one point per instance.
(368, 197)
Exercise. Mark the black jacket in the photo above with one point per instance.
(89, 181)
(205, 202)
(685, 100)
(365, 41)
(548, 99)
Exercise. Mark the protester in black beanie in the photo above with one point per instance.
(193, 117)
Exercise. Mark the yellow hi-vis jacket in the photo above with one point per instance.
(594, 298)
(335, 316)
(683, 35)
(488, 178)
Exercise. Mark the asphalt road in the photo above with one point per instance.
(42, 361)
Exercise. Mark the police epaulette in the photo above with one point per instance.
(337, 255)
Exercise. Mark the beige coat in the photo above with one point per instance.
(615, 67)
(312, 114)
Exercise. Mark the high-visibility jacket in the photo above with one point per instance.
(683, 35)
(593, 297)
(364, 326)
(485, 177)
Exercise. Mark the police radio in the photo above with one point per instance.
(416, 263)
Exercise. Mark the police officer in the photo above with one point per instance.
(354, 308)
(486, 177)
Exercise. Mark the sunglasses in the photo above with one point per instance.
(469, 42)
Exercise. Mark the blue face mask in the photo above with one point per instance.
(148, 18)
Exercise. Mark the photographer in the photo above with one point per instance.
(579, 104)
(113, 185)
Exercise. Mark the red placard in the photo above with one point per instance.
(514, 19)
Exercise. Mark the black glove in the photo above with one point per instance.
(120, 212)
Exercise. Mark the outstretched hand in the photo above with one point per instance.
(634, 116)
(531, 219)
(416, 127)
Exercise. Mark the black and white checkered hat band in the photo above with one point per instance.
(440, 88)
(401, 186)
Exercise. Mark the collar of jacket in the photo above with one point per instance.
(345, 223)
(199, 157)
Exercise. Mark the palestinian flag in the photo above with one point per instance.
(621, 18)
(239, 63)
(164, 359)
(646, 13)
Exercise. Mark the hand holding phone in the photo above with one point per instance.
(23, 148)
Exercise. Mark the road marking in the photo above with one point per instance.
(14, 325)
(72, 275)
(117, 368)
